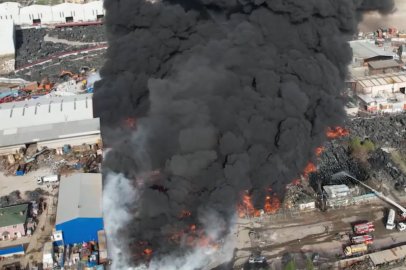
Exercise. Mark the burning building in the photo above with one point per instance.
(233, 100)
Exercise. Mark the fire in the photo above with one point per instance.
(131, 122)
(296, 182)
(185, 214)
(319, 150)
(337, 132)
(246, 208)
(147, 253)
(309, 169)
(271, 204)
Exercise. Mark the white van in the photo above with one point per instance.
(390, 224)
(401, 227)
(47, 179)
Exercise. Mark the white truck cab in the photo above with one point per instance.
(47, 179)
(401, 226)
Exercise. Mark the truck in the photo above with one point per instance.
(364, 228)
(355, 250)
(363, 239)
(401, 227)
(47, 179)
(390, 223)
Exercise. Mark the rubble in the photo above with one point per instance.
(12, 199)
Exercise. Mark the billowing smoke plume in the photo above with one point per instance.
(227, 96)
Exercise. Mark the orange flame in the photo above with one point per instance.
(246, 208)
(185, 214)
(337, 132)
(147, 253)
(131, 122)
(296, 182)
(271, 205)
(309, 169)
(319, 150)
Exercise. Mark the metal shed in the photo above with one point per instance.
(387, 256)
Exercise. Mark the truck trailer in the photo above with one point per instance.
(47, 179)
(355, 250)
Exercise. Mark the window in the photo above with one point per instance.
(11, 16)
(93, 12)
(41, 15)
(6, 17)
(60, 14)
(61, 105)
(1, 18)
(14, 226)
(29, 15)
(74, 104)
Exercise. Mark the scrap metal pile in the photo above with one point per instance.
(85, 158)
(89, 33)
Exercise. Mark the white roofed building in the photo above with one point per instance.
(93, 11)
(7, 46)
(10, 11)
(336, 191)
(36, 14)
(68, 12)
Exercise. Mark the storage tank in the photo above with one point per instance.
(355, 249)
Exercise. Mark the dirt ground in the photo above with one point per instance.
(33, 244)
(280, 234)
(397, 20)
(22, 183)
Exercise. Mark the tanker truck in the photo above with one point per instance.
(355, 250)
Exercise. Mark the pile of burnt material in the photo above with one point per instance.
(334, 159)
(53, 69)
(90, 33)
(12, 199)
(385, 169)
(31, 47)
(386, 131)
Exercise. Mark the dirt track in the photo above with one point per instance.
(397, 20)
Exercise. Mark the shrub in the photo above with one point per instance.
(353, 144)
(309, 264)
(368, 145)
(290, 266)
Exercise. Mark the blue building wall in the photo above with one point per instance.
(11, 250)
(80, 230)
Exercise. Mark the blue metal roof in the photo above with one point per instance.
(11, 250)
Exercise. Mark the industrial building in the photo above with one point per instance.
(364, 52)
(79, 211)
(48, 122)
(7, 46)
(385, 92)
(13, 221)
(41, 14)
(383, 67)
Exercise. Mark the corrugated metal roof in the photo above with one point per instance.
(381, 79)
(44, 111)
(6, 36)
(23, 135)
(80, 196)
(388, 255)
(367, 99)
(365, 50)
(383, 64)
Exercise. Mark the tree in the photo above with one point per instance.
(290, 266)
(353, 143)
(310, 264)
(370, 146)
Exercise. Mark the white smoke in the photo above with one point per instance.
(94, 77)
(117, 194)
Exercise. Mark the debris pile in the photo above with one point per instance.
(12, 199)
(31, 47)
(90, 33)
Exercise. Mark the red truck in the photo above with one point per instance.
(364, 228)
(362, 239)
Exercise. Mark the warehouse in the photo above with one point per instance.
(79, 211)
(388, 256)
(36, 15)
(383, 67)
(7, 46)
(10, 11)
(381, 85)
(46, 111)
(41, 14)
(365, 52)
(68, 13)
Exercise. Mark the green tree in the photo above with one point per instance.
(290, 266)
(310, 264)
(370, 146)
(353, 144)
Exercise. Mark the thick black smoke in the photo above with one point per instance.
(229, 95)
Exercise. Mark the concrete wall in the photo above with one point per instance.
(91, 139)
(14, 231)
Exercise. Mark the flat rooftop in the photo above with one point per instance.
(23, 135)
